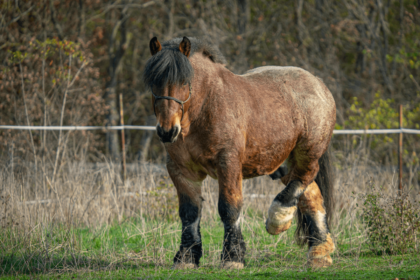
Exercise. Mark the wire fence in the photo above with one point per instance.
(144, 127)
(151, 128)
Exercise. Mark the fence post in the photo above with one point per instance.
(400, 152)
(124, 170)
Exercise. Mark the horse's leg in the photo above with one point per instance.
(311, 206)
(190, 205)
(283, 208)
(284, 205)
(230, 204)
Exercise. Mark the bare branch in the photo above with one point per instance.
(54, 21)
(18, 17)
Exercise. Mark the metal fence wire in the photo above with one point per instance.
(143, 127)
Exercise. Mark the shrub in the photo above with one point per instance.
(393, 222)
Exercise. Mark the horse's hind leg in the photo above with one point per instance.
(190, 205)
(315, 228)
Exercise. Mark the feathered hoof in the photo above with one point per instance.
(276, 228)
(319, 255)
(321, 262)
(232, 265)
(183, 265)
(279, 217)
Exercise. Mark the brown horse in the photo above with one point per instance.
(213, 122)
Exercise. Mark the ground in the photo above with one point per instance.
(141, 249)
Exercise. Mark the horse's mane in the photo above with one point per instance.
(170, 66)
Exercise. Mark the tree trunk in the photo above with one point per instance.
(243, 19)
(116, 53)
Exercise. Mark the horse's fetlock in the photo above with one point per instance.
(319, 253)
(234, 247)
(189, 255)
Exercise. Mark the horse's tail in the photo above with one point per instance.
(325, 180)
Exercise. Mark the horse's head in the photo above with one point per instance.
(168, 73)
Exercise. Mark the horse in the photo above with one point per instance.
(231, 127)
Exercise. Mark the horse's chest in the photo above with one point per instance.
(194, 160)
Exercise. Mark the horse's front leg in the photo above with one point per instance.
(190, 205)
(283, 208)
(230, 204)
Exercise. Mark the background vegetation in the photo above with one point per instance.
(64, 210)
(367, 53)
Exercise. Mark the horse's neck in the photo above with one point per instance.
(208, 80)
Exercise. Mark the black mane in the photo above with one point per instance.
(170, 66)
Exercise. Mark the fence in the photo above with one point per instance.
(144, 127)
(400, 131)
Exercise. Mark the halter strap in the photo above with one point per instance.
(172, 98)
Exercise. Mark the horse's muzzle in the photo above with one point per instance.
(167, 136)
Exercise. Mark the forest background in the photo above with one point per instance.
(66, 62)
(63, 205)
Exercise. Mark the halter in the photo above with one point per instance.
(172, 98)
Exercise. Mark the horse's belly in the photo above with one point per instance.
(263, 163)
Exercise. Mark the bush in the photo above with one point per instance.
(393, 222)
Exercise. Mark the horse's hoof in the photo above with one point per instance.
(322, 262)
(274, 229)
(319, 255)
(279, 217)
(232, 265)
(182, 265)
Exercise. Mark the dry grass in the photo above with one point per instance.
(86, 219)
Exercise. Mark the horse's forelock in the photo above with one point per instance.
(169, 66)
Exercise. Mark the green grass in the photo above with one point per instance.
(142, 249)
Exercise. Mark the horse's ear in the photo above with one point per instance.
(185, 46)
(155, 46)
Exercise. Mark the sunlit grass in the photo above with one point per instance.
(94, 227)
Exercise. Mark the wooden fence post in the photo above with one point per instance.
(400, 152)
(124, 169)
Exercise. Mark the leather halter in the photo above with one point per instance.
(172, 98)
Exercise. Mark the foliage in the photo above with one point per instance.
(393, 222)
(40, 79)
(383, 113)
(356, 47)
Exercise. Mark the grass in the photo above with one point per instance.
(142, 249)
(94, 227)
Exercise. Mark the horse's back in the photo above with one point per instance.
(310, 95)
(302, 84)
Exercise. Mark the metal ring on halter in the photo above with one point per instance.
(172, 98)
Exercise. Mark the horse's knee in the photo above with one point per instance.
(229, 209)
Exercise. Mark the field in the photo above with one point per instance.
(93, 226)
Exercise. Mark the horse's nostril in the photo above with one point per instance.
(167, 136)
(175, 132)
(159, 130)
